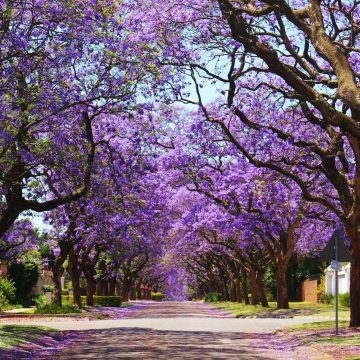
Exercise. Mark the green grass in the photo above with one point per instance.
(322, 325)
(21, 311)
(26, 311)
(322, 334)
(126, 305)
(296, 309)
(55, 309)
(342, 341)
(17, 335)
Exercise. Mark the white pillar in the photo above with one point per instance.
(328, 282)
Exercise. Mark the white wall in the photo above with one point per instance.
(343, 277)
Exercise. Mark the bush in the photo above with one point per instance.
(25, 276)
(213, 297)
(48, 288)
(55, 309)
(7, 289)
(344, 299)
(110, 301)
(4, 303)
(158, 296)
(40, 301)
(113, 301)
(65, 291)
(326, 298)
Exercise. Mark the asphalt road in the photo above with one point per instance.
(176, 330)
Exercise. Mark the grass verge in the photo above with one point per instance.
(321, 335)
(12, 336)
(55, 309)
(296, 309)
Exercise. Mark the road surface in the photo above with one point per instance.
(175, 330)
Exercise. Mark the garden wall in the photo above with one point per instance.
(308, 291)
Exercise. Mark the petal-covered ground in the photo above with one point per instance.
(182, 330)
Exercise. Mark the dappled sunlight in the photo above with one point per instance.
(137, 343)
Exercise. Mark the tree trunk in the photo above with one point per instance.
(118, 288)
(112, 285)
(90, 273)
(74, 271)
(90, 286)
(99, 287)
(238, 290)
(138, 290)
(355, 286)
(355, 292)
(126, 285)
(244, 287)
(281, 285)
(352, 232)
(105, 288)
(10, 214)
(232, 290)
(225, 290)
(58, 270)
(255, 294)
(56, 278)
(132, 292)
(75, 279)
(90, 290)
(261, 287)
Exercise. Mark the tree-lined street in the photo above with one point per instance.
(184, 330)
(154, 153)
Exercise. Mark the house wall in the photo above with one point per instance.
(343, 277)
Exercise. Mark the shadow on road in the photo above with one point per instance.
(137, 343)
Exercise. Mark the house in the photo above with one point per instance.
(343, 277)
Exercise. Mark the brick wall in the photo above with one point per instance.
(308, 291)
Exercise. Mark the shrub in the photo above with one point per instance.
(158, 296)
(25, 276)
(7, 289)
(321, 294)
(113, 301)
(326, 298)
(4, 303)
(48, 288)
(40, 301)
(65, 291)
(344, 299)
(110, 301)
(55, 309)
(213, 297)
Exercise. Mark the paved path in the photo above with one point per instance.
(175, 330)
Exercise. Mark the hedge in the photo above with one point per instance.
(55, 309)
(113, 301)
(158, 296)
